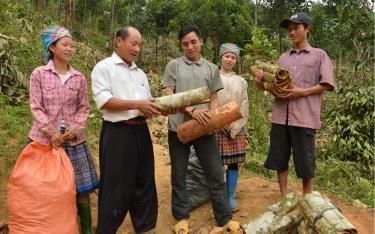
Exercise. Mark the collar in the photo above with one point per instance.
(51, 67)
(119, 60)
(188, 61)
(306, 49)
(228, 74)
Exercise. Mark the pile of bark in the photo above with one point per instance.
(294, 214)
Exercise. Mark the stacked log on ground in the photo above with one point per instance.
(183, 99)
(220, 117)
(280, 217)
(305, 228)
(323, 216)
(275, 79)
(296, 215)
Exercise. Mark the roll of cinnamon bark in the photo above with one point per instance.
(220, 117)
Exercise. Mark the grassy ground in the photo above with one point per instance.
(340, 179)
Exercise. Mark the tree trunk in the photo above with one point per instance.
(256, 13)
(84, 15)
(68, 12)
(58, 10)
(156, 50)
(163, 50)
(183, 99)
(38, 5)
(112, 26)
(338, 62)
(280, 42)
(323, 216)
(74, 13)
(220, 117)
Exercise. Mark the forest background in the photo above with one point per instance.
(343, 28)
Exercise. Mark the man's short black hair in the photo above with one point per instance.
(188, 29)
(123, 32)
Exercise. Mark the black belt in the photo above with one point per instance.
(134, 121)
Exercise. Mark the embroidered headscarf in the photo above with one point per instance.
(228, 48)
(50, 35)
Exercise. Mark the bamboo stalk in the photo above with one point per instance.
(220, 117)
(183, 99)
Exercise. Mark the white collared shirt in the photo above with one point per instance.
(112, 77)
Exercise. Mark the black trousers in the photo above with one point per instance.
(127, 178)
(208, 154)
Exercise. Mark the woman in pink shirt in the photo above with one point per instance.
(59, 106)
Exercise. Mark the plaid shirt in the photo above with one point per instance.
(49, 100)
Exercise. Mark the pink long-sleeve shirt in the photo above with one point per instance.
(50, 100)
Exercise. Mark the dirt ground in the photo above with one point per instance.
(253, 195)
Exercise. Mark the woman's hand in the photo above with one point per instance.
(56, 140)
(71, 134)
(202, 116)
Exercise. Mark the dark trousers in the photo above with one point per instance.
(285, 139)
(127, 178)
(207, 152)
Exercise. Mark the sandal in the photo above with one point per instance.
(217, 230)
(182, 227)
(234, 227)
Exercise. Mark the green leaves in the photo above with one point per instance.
(351, 120)
(13, 83)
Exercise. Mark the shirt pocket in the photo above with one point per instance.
(49, 91)
(73, 90)
(310, 72)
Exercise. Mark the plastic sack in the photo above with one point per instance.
(42, 193)
(196, 183)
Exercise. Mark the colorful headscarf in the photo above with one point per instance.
(228, 48)
(52, 34)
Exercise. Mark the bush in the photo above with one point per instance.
(350, 122)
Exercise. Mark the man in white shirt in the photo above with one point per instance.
(127, 179)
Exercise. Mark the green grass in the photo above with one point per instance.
(341, 179)
(15, 122)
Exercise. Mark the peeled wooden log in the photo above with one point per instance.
(220, 117)
(323, 216)
(287, 223)
(280, 217)
(183, 99)
(304, 228)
